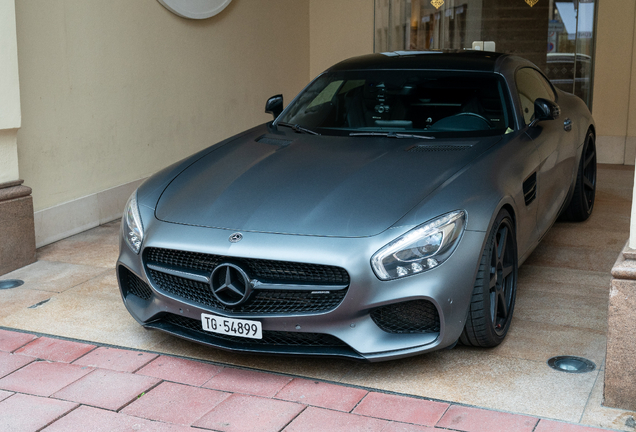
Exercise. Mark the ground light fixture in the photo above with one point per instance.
(571, 364)
(10, 283)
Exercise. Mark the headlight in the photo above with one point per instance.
(133, 229)
(420, 249)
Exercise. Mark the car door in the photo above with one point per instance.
(555, 161)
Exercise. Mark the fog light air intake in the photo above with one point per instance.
(416, 316)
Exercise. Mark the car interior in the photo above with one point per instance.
(420, 103)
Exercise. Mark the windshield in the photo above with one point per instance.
(435, 103)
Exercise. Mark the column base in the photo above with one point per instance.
(620, 363)
(17, 232)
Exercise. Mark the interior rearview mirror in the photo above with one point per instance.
(274, 105)
(545, 109)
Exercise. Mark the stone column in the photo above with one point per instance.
(17, 233)
(620, 362)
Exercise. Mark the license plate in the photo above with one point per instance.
(232, 326)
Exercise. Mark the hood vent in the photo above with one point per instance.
(273, 141)
(437, 148)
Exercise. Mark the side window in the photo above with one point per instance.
(531, 85)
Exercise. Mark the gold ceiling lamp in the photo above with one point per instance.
(532, 2)
(438, 3)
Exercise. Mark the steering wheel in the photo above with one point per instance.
(479, 116)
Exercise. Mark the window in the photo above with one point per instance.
(531, 85)
(413, 101)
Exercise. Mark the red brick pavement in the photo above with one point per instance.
(49, 385)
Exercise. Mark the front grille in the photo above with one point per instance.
(261, 301)
(272, 338)
(416, 316)
(131, 284)
(264, 270)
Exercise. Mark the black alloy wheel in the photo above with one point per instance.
(589, 174)
(503, 278)
(495, 289)
(582, 202)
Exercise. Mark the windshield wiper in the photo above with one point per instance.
(297, 128)
(390, 135)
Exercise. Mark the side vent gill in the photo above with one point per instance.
(530, 188)
(437, 148)
(273, 141)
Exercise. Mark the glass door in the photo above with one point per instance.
(571, 46)
(520, 27)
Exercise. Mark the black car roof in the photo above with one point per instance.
(483, 61)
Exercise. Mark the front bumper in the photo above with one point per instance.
(348, 330)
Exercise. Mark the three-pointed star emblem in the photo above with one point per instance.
(230, 284)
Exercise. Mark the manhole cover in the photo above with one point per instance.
(571, 364)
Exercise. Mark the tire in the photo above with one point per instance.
(582, 202)
(495, 290)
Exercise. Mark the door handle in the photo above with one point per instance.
(567, 125)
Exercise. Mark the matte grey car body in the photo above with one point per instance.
(294, 220)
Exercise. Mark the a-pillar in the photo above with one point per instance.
(17, 234)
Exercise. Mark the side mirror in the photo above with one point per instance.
(274, 105)
(545, 109)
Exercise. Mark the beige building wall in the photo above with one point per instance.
(338, 30)
(10, 118)
(614, 104)
(114, 90)
(630, 140)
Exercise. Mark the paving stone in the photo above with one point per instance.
(107, 389)
(480, 420)
(322, 394)
(320, 419)
(248, 382)
(20, 299)
(175, 403)
(5, 394)
(12, 362)
(43, 378)
(91, 419)
(180, 370)
(11, 340)
(55, 349)
(116, 359)
(244, 413)
(405, 427)
(26, 413)
(401, 408)
(554, 426)
(53, 276)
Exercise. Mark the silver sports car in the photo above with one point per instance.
(382, 214)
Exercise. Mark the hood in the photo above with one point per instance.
(313, 185)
